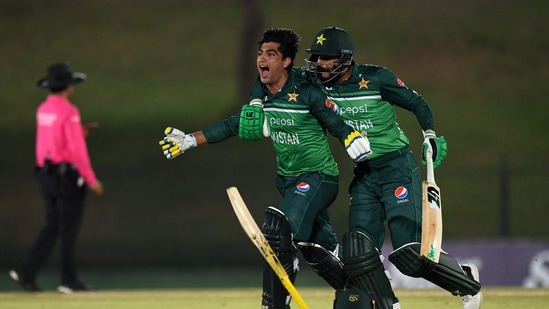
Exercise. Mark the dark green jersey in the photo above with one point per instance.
(297, 118)
(365, 101)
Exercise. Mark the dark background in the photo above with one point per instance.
(482, 65)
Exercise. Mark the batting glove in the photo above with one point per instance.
(176, 142)
(357, 146)
(438, 146)
(252, 119)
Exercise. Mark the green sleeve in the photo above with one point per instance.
(327, 118)
(222, 130)
(394, 91)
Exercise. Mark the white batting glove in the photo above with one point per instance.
(176, 142)
(358, 146)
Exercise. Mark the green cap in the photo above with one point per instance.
(332, 41)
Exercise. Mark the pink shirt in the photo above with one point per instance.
(60, 136)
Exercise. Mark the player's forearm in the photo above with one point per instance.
(425, 117)
(200, 138)
(332, 122)
(222, 130)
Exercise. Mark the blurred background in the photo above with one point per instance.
(483, 66)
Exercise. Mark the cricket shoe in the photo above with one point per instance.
(73, 288)
(472, 301)
(23, 281)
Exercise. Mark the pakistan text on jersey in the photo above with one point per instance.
(285, 138)
(360, 125)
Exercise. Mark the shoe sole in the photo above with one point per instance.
(65, 290)
(14, 276)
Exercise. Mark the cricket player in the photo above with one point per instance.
(294, 115)
(386, 188)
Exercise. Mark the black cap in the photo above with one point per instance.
(61, 75)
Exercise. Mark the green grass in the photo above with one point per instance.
(223, 288)
(249, 298)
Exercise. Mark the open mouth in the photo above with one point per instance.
(264, 70)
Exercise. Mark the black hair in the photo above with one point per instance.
(289, 42)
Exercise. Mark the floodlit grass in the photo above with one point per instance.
(317, 298)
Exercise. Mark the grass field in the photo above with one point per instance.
(248, 298)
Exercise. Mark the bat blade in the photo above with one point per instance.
(431, 231)
(431, 235)
(256, 236)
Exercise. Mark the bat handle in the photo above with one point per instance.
(429, 164)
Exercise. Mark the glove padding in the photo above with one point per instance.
(176, 142)
(357, 146)
(251, 121)
(438, 146)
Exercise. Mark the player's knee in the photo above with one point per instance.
(277, 230)
(363, 266)
(359, 255)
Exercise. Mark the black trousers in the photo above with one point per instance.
(64, 202)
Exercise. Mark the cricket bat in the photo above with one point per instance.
(431, 235)
(256, 236)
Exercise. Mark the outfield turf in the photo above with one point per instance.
(248, 298)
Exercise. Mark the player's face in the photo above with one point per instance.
(271, 66)
(325, 65)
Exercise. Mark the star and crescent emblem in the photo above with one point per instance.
(363, 83)
(320, 39)
(293, 96)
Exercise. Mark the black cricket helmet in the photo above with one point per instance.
(330, 42)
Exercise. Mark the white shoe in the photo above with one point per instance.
(472, 301)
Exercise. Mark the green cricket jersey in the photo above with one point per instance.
(297, 119)
(365, 102)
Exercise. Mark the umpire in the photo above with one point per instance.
(64, 171)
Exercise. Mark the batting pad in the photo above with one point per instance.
(278, 233)
(324, 263)
(447, 273)
(363, 266)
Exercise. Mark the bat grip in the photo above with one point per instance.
(429, 164)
